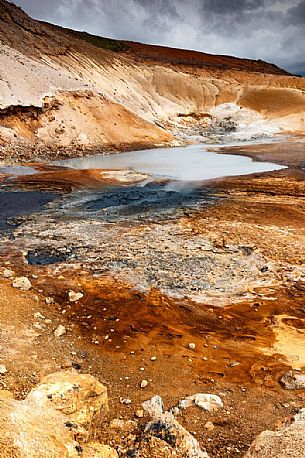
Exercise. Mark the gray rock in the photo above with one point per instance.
(293, 381)
(164, 426)
(154, 406)
(167, 428)
(286, 442)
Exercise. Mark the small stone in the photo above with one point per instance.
(234, 364)
(209, 426)
(126, 401)
(49, 300)
(74, 296)
(192, 346)
(144, 383)
(139, 413)
(39, 316)
(8, 273)
(60, 331)
(3, 369)
(22, 283)
(208, 402)
(122, 425)
(153, 358)
(39, 326)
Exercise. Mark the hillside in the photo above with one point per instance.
(62, 88)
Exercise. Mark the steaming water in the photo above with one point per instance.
(190, 163)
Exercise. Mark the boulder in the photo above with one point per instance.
(80, 396)
(288, 441)
(44, 425)
(30, 430)
(165, 427)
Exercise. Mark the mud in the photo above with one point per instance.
(15, 204)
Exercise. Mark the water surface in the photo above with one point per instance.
(190, 163)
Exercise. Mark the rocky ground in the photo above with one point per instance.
(201, 294)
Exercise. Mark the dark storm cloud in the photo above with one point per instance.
(273, 30)
(296, 14)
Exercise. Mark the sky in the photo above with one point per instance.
(271, 30)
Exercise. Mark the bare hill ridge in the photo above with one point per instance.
(63, 88)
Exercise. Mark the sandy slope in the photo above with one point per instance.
(60, 88)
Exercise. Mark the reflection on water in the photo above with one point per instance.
(190, 163)
(17, 170)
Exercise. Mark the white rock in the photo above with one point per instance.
(192, 346)
(74, 296)
(39, 316)
(22, 283)
(144, 383)
(49, 300)
(154, 406)
(185, 403)
(208, 402)
(8, 273)
(60, 331)
(3, 369)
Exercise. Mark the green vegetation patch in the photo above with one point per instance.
(101, 42)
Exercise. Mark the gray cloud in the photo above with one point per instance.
(272, 30)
